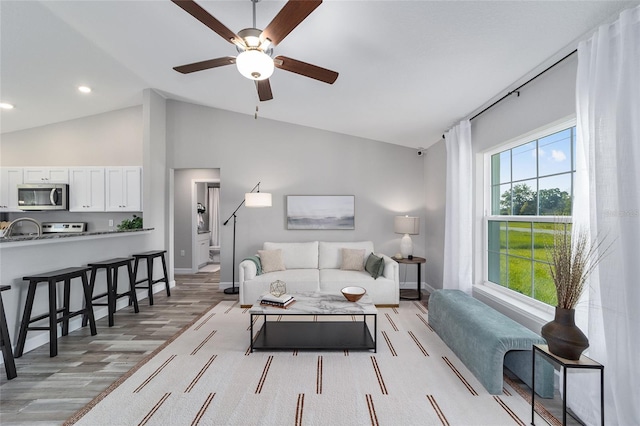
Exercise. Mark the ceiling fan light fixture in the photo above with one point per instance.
(255, 64)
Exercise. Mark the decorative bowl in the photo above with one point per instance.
(353, 294)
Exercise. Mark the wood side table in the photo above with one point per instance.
(414, 261)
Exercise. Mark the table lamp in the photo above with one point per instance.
(407, 225)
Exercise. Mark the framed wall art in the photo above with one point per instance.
(320, 212)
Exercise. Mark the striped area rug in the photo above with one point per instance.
(207, 376)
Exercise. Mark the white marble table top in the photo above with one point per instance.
(319, 304)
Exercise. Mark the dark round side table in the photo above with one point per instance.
(414, 261)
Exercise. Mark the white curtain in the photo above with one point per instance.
(607, 204)
(213, 200)
(458, 249)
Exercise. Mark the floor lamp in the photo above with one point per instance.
(251, 199)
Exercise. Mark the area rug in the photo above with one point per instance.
(206, 375)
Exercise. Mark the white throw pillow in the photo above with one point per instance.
(271, 260)
(352, 259)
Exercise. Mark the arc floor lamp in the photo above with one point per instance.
(251, 199)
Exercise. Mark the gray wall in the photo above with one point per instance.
(295, 160)
(547, 99)
(183, 208)
(110, 139)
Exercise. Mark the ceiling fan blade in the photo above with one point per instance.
(264, 90)
(195, 10)
(305, 69)
(294, 12)
(205, 65)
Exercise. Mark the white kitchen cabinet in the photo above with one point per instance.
(46, 175)
(123, 189)
(202, 247)
(10, 178)
(86, 189)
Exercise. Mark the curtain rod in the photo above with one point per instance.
(516, 90)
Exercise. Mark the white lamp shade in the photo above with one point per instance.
(406, 225)
(257, 199)
(255, 64)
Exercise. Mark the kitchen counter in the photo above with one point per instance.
(58, 236)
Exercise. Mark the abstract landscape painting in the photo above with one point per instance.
(320, 212)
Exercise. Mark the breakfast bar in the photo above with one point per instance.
(30, 255)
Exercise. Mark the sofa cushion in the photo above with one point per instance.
(271, 260)
(352, 259)
(297, 255)
(374, 266)
(330, 253)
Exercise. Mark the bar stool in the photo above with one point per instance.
(52, 278)
(111, 269)
(5, 340)
(150, 256)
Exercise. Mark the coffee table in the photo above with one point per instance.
(310, 324)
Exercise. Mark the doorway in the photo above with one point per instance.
(196, 244)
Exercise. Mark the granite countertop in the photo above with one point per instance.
(20, 238)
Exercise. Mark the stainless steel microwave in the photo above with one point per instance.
(45, 196)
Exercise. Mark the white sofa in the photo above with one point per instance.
(315, 266)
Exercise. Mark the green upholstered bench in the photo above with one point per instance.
(486, 340)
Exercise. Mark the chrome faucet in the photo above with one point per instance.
(9, 230)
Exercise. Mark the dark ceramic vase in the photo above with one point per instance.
(564, 338)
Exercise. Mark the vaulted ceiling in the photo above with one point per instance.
(408, 69)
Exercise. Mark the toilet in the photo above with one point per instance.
(214, 254)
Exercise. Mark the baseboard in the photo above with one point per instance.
(183, 271)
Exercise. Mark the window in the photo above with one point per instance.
(530, 197)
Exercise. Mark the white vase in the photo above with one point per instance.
(406, 246)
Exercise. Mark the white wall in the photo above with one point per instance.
(295, 160)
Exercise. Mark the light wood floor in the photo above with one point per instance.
(48, 390)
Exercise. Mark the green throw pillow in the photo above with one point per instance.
(374, 265)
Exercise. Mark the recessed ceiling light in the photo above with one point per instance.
(5, 105)
(84, 89)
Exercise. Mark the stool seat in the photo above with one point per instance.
(5, 340)
(52, 278)
(111, 269)
(149, 257)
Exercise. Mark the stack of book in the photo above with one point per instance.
(278, 302)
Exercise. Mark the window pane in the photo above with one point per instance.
(542, 238)
(497, 236)
(498, 268)
(523, 198)
(501, 167)
(554, 153)
(520, 275)
(555, 195)
(501, 199)
(524, 161)
(544, 289)
(519, 239)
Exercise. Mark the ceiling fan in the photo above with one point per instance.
(255, 47)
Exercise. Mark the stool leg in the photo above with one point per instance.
(88, 304)
(26, 316)
(112, 288)
(66, 308)
(53, 319)
(150, 278)
(166, 276)
(133, 297)
(135, 279)
(9, 363)
(92, 283)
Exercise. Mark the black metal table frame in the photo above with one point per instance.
(564, 366)
(263, 329)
